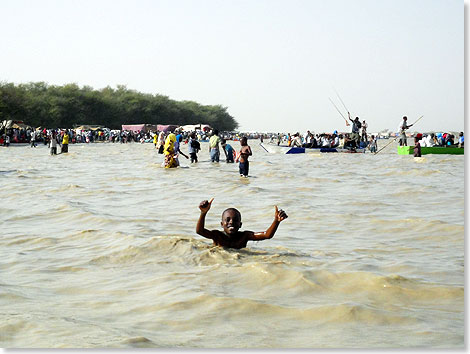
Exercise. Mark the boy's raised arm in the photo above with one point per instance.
(204, 206)
(279, 215)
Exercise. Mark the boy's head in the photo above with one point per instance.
(231, 221)
(223, 142)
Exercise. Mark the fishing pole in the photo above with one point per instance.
(347, 124)
(397, 136)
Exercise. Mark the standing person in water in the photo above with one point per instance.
(417, 148)
(53, 143)
(160, 142)
(33, 139)
(214, 142)
(231, 222)
(179, 139)
(65, 142)
(245, 152)
(193, 147)
(169, 151)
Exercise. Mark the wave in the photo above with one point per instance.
(73, 212)
(241, 309)
(274, 269)
(409, 226)
(139, 342)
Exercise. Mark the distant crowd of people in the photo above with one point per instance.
(169, 144)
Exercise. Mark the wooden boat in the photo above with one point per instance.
(283, 149)
(409, 150)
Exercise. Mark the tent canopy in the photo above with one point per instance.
(15, 124)
(133, 127)
(140, 127)
(89, 127)
(166, 128)
(193, 127)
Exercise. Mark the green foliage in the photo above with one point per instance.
(41, 105)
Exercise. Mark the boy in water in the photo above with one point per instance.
(228, 150)
(231, 223)
(245, 151)
(193, 147)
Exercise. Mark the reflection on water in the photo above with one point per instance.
(98, 249)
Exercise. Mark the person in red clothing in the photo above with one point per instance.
(417, 148)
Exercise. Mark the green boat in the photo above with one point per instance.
(408, 150)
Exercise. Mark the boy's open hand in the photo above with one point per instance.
(205, 205)
(279, 214)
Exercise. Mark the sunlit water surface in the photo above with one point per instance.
(98, 249)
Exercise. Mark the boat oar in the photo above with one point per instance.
(347, 124)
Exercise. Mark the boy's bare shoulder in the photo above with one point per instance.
(247, 234)
(216, 233)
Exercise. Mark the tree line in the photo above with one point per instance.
(41, 105)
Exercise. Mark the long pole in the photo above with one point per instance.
(347, 124)
(337, 94)
(346, 108)
(417, 120)
(383, 147)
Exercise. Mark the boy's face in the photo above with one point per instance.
(231, 222)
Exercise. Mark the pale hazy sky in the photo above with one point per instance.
(273, 63)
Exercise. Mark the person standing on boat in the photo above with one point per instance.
(364, 131)
(402, 129)
(356, 125)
